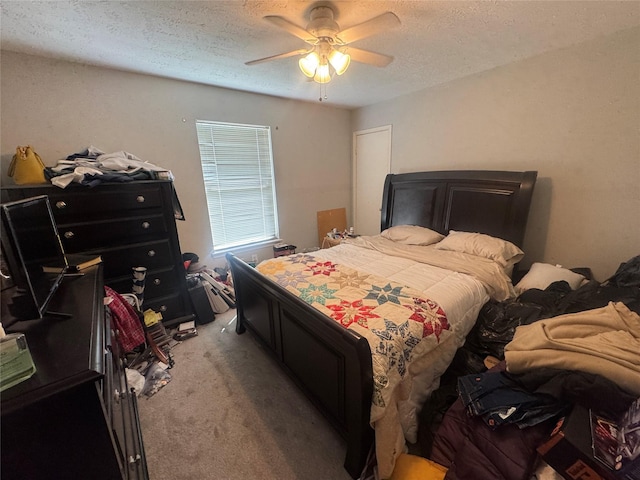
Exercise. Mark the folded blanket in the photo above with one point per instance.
(603, 341)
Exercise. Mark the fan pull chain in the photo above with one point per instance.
(325, 92)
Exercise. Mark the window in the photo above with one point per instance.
(237, 166)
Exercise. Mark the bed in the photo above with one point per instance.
(334, 363)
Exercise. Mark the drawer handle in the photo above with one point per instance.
(69, 234)
(157, 281)
(140, 199)
(146, 225)
(163, 308)
(151, 253)
(60, 205)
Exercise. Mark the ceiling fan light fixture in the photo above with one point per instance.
(339, 61)
(330, 44)
(309, 64)
(323, 75)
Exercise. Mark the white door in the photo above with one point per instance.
(371, 164)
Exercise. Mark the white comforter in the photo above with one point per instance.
(459, 283)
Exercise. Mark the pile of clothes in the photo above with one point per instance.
(93, 166)
(555, 348)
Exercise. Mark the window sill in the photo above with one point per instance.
(244, 248)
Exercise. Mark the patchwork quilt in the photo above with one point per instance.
(400, 325)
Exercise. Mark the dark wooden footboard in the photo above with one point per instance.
(331, 364)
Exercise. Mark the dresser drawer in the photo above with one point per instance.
(119, 261)
(111, 354)
(127, 199)
(158, 283)
(90, 203)
(171, 306)
(105, 233)
(120, 420)
(121, 414)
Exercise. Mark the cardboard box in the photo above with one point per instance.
(569, 450)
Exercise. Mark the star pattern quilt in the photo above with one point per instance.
(400, 325)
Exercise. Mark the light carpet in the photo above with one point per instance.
(230, 413)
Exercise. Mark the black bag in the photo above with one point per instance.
(201, 305)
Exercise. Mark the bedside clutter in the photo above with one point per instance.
(579, 447)
(335, 237)
(282, 249)
(328, 242)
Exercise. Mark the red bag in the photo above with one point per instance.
(126, 322)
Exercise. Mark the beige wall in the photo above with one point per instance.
(573, 115)
(61, 108)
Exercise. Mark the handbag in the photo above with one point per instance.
(26, 167)
(129, 329)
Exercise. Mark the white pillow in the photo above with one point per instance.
(501, 251)
(412, 235)
(541, 275)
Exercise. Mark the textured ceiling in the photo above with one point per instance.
(209, 41)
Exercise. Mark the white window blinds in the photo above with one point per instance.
(237, 166)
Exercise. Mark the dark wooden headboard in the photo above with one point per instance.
(491, 202)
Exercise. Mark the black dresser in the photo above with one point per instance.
(131, 225)
(76, 416)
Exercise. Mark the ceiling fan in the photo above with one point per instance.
(330, 49)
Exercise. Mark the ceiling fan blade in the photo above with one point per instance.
(292, 28)
(370, 27)
(365, 56)
(293, 53)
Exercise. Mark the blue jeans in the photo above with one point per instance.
(499, 399)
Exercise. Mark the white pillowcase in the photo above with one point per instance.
(501, 251)
(541, 275)
(412, 235)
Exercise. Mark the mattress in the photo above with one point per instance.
(407, 368)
